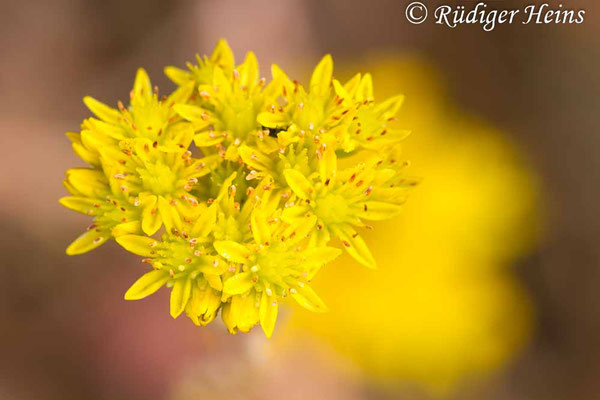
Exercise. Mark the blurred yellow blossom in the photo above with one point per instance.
(444, 304)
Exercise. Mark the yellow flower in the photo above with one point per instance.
(143, 166)
(276, 262)
(247, 213)
(341, 201)
(229, 99)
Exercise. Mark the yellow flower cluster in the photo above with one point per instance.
(232, 189)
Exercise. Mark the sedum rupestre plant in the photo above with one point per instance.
(232, 188)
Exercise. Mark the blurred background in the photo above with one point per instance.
(487, 284)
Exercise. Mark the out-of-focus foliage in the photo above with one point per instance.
(444, 304)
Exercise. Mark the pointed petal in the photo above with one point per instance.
(142, 88)
(307, 298)
(379, 210)
(169, 215)
(260, 227)
(178, 76)
(273, 120)
(88, 182)
(268, 314)
(151, 220)
(180, 295)
(354, 245)
(101, 110)
(205, 222)
(214, 281)
(232, 251)
(316, 257)
(147, 284)
(140, 245)
(238, 284)
(390, 107)
(328, 164)
(87, 241)
(82, 205)
(255, 159)
(321, 76)
(249, 74)
(352, 85)
(127, 228)
(223, 56)
(298, 183)
(365, 88)
(191, 113)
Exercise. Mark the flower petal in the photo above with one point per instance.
(379, 210)
(151, 219)
(249, 71)
(87, 241)
(223, 56)
(142, 88)
(238, 284)
(273, 120)
(101, 110)
(147, 284)
(316, 257)
(80, 204)
(232, 251)
(268, 313)
(298, 183)
(178, 76)
(260, 227)
(180, 295)
(126, 228)
(140, 245)
(307, 298)
(205, 222)
(354, 245)
(321, 76)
